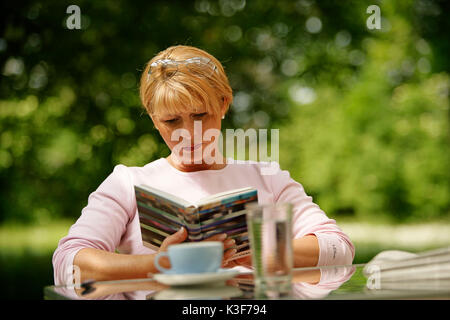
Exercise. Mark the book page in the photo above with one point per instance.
(221, 195)
(167, 196)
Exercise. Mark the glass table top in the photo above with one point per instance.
(328, 282)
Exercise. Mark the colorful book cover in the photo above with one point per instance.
(162, 214)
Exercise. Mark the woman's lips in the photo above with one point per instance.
(192, 148)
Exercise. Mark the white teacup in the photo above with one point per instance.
(192, 257)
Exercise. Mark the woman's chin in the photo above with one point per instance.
(192, 160)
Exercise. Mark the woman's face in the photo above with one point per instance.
(184, 134)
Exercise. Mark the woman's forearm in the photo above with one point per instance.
(103, 265)
(306, 251)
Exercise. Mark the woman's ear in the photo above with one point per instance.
(224, 108)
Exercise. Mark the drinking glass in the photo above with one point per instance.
(270, 236)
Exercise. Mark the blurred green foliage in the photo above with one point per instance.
(376, 140)
(363, 114)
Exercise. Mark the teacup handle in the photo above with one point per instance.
(156, 261)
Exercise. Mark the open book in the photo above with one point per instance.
(162, 214)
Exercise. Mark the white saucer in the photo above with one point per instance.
(194, 278)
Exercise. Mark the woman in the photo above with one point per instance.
(186, 93)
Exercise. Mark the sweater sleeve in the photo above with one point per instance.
(101, 224)
(335, 246)
(331, 278)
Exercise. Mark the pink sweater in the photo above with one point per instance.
(110, 221)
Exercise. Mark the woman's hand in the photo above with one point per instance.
(181, 235)
(244, 261)
(175, 238)
(228, 246)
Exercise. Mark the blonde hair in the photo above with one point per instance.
(185, 90)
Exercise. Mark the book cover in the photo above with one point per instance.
(162, 214)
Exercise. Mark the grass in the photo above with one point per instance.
(370, 238)
(26, 251)
(17, 239)
(26, 258)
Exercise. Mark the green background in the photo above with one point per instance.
(363, 114)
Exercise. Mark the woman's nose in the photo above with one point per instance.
(194, 128)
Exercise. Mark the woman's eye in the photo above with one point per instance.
(170, 120)
(199, 115)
